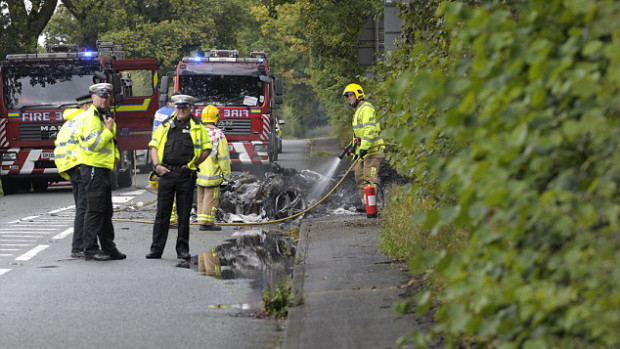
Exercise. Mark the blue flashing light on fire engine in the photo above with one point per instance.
(196, 58)
(88, 54)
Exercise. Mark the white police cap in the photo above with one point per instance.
(102, 89)
(84, 99)
(182, 100)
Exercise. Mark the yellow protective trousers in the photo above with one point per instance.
(208, 200)
(367, 171)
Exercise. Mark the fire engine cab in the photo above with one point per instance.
(34, 90)
(247, 94)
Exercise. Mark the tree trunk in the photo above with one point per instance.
(28, 26)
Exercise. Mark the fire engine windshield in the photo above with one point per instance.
(223, 89)
(31, 84)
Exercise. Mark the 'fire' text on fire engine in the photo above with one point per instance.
(236, 113)
(41, 116)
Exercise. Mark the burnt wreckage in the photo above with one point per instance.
(283, 193)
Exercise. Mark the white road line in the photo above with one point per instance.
(55, 224)
(10, 249)
(54, 220)
(17, 240)
(28, 218)
(26, 228)
(33, 252)
(133, 193)
(4, 271)
(61, 209)
(63, 234)
(3, 235)
(121, 199)
(28, 232)
(5, 255)
(16, 245)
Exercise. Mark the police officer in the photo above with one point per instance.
(178, 146)
(367, 129)
(162, 114)
(97, 155)
(213, 171)
(66, 159)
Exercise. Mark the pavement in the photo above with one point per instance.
(347, 288)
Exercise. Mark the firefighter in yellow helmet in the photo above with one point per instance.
(97, 156)
(213, 171)
(178, 146)
(366, 128)
(66, 160)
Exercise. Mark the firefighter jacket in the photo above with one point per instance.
(67, 142)
(197, 131)
(97, 143)
(366, 127)
(217, 165)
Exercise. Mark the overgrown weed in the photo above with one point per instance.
(276, 301)
(403, 238)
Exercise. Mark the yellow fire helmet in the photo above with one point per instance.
(210, 114)
(354, 88)
(154, 180)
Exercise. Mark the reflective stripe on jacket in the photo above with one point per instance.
(197, 131)
(67, 142)
(366, 127)
(97, 143)
(217, 164)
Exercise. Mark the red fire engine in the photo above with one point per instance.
(35, 88)
(247, 95)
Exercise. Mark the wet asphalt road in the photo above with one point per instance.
(48, 300)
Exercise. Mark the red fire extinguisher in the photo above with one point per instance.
(370, 198)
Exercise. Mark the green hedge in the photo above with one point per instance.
(508, 112)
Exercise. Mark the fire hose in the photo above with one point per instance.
(355, 161)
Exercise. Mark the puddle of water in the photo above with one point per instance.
(265, 257)
(242, 306)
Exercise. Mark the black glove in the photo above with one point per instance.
(363, 153)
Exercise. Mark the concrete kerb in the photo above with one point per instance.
(294, 318)
(324, 144)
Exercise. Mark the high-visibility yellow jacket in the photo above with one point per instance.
(366, 127)
(97, 143)
(67, 142)
(196, 130)
(217, 165)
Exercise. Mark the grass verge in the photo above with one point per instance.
(402, 238)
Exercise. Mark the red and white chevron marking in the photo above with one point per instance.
(245, 154)
(266, 127)
(26, 161)
(4, 141)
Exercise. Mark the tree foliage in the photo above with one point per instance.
(22, 25)
(319, 49)
(305, 41)
(281, 35)
(164, 29)
(508, 111)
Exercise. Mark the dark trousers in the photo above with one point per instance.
(182, 185)
(98, 219)
(79, 197)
